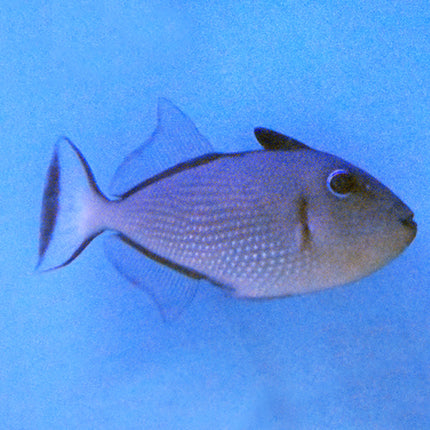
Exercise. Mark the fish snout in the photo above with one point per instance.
(408, 225)
(405, 217)
(409, 222)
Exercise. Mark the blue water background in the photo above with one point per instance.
(80, 347)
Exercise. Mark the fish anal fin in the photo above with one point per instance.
(171, 291)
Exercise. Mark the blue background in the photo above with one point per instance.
(81, 348)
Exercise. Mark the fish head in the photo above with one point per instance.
(356, 224)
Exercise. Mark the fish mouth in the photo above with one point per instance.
(409, 222)
(410, 227)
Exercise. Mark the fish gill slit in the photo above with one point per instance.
(305, 233)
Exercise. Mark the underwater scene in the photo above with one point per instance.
(215, 215)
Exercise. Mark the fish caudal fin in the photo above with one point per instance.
(71, 209)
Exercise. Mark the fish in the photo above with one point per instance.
(267, 223)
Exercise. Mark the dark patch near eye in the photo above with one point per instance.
(341, 183)
(305, 236)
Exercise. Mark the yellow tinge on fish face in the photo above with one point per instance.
(268, 223)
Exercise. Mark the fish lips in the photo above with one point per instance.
(410, 223)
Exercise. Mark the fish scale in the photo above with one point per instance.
(209, 249)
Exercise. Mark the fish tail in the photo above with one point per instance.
(72, 208)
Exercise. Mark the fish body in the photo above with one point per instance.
(269, 223)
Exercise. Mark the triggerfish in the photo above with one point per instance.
(269, 223)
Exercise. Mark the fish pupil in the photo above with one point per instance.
(341, 182)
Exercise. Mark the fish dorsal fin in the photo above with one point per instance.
(274, 141)
(170, 289)
(175, 140)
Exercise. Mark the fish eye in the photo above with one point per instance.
(341, 183)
